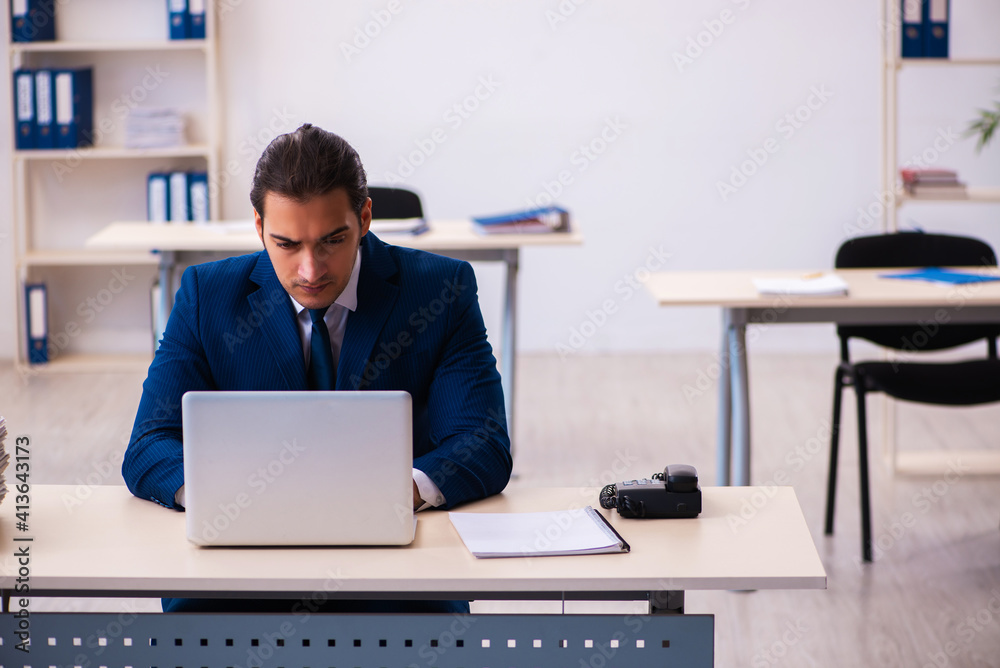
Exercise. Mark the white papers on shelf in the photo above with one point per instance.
(554, 533)
(153, 127)
(826, 285)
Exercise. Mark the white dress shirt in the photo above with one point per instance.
(336, 322)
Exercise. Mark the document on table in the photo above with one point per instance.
(943, 276)
(824, 285)
(554, 533)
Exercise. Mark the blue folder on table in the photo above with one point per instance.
(943, 276)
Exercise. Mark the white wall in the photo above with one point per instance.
(607, 67)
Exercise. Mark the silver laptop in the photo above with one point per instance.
(298, 468)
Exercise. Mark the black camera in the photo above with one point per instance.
(673, 493)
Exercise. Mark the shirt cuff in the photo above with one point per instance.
(429, 492)
(179, 496)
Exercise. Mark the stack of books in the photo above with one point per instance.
(531, 221)
(933, 183)
(4, 458)
(154, 128)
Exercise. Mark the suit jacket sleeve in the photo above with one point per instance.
(153, 464)
(468, 427)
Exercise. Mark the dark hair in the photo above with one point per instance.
(308, 162)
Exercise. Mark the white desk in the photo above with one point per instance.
(113, 544)
(455, 238)
(870, 301)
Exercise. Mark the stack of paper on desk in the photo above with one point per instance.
(555, 533)
(826, 285)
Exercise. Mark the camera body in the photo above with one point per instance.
(672, 494)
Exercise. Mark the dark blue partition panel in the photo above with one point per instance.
(196, 640)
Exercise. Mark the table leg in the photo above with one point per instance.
(165, 302)
(508, 339)
(724, 433)
(741, 402)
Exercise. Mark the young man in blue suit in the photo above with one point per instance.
(327, 305)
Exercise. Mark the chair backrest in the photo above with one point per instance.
(916, 249)
(394, 203)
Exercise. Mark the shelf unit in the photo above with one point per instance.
(892, 65)
(62, 196)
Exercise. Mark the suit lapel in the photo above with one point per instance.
(376, 298)
(272, 308)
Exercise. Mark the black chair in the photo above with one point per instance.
(965, 383)
(394, 203)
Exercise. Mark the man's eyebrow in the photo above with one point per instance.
(339, 230)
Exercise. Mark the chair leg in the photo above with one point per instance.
(831, 483)
(866, 513)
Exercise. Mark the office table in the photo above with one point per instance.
(112, 544)
(870, 300)
(454, 238)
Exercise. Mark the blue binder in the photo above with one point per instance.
(74, 100)
(196, 19)
(36, 309)
(158, 198)
(32, 20)
(24, 109)
(913, 28)
(45, 109)
(936, 28)
(198, 196)
(180, 208)
(177, 11)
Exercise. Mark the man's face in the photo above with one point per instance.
(313, 246)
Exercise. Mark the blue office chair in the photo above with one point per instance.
(966, 383)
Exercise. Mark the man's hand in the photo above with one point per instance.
(417, 501)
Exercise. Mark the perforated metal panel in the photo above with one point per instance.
(195, 640)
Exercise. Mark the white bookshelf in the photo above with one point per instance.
(63, 196)
(893, 65)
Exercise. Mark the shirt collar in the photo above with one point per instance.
(349, 297)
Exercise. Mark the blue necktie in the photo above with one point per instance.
(321, 364)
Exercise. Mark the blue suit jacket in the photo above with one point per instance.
(417, 328)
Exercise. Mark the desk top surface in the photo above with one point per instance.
(102, 539)
(735, 289)
(241, 236)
